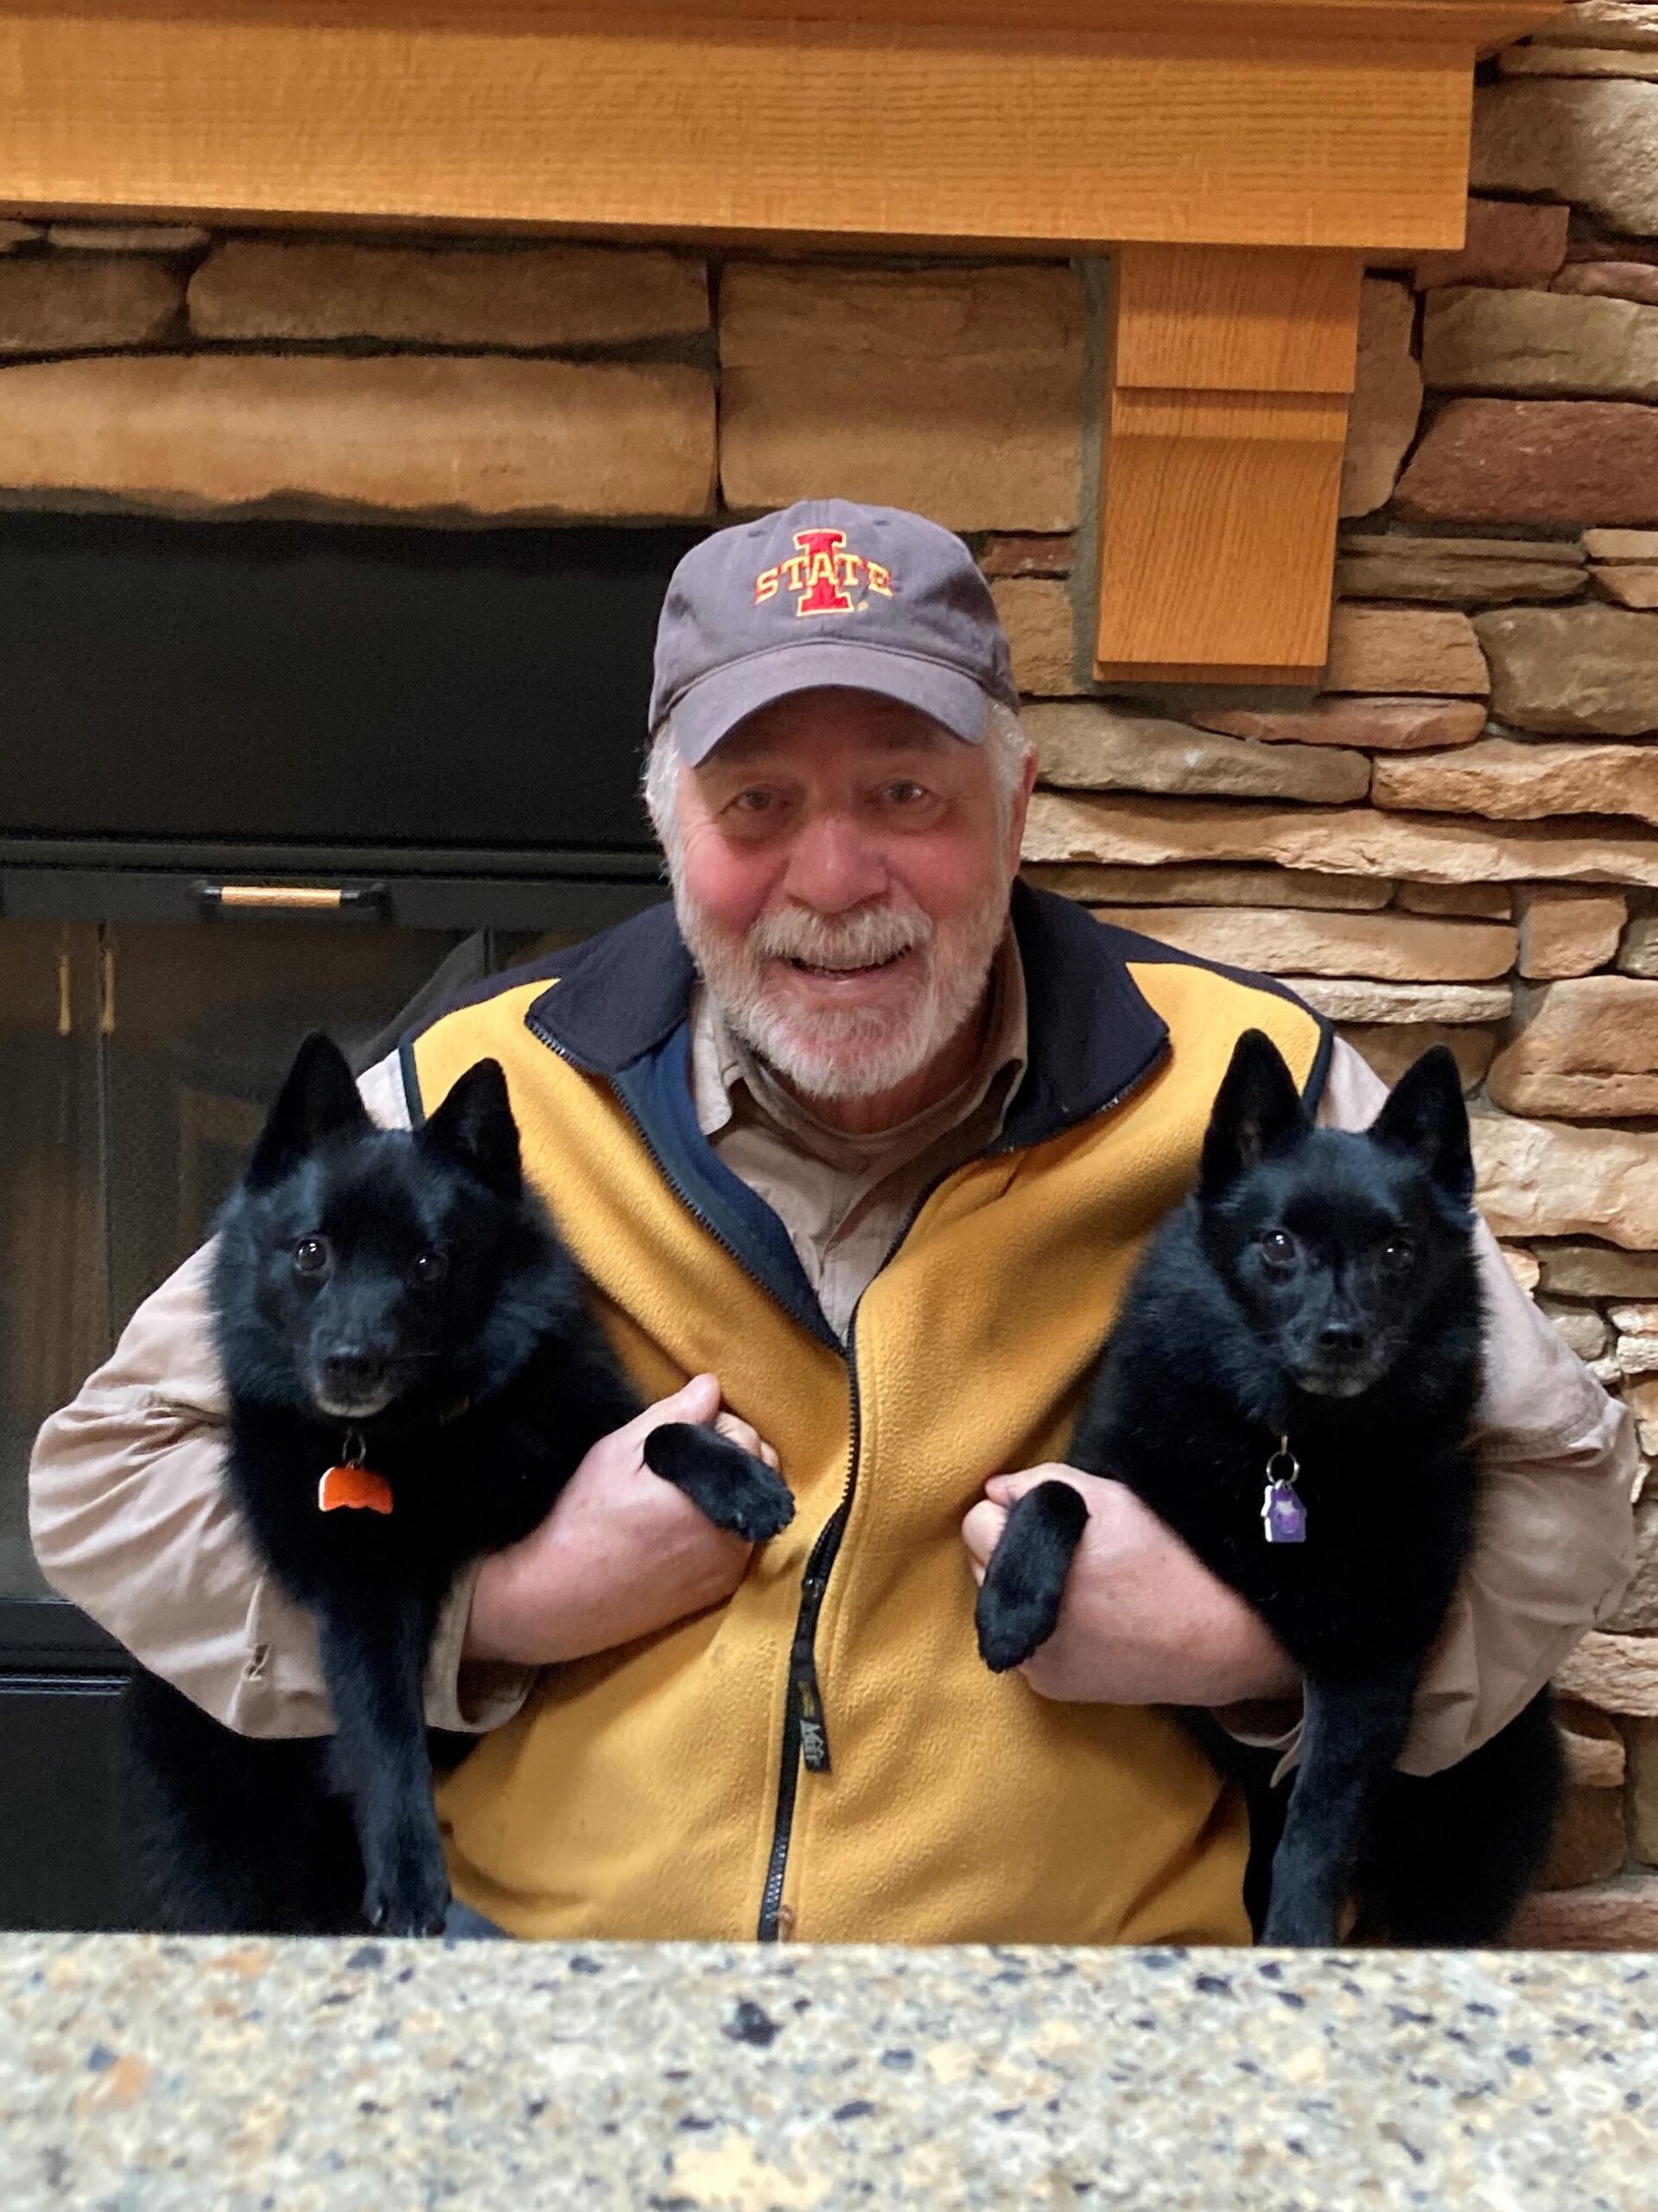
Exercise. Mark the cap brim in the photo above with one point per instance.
(712, 708)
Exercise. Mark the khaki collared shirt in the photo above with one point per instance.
(844, 1200)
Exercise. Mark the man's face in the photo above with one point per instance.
(842, 879)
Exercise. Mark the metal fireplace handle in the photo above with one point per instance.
(288, 898)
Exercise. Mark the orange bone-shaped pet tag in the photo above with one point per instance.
(353, 1486)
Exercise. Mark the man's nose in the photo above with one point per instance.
(833, 865)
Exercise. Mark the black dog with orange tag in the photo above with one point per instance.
(414, 1375)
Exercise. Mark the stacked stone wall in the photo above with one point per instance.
(1455, 839)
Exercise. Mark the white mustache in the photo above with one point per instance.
(861, 940)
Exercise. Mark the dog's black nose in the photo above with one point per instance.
(1341, 1337)
(352, 1374)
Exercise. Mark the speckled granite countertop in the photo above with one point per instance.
(138, 2075)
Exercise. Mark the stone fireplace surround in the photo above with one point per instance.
(1455, 837)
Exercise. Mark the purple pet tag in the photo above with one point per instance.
(1283, 1516)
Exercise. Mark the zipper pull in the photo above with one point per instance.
(809, 1712)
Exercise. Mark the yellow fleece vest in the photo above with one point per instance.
(637, 1793)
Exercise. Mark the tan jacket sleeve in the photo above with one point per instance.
(1555, 1544)
(130, 1521)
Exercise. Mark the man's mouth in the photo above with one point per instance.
(834, 971)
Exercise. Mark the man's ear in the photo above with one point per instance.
(1426, 1116)
(475, 1125)
(1257, 1110)
(318, 1099)
(1018, 809)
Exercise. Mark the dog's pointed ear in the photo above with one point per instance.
(1256, 1108)
(1425, 1115)
(475, 1125)
(318, 1099)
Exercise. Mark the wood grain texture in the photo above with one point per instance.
(861, 128)
(1225, 424)
(1226, 320)
(1471, 23)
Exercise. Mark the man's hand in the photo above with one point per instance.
(1143, 1622)
(621, 1554)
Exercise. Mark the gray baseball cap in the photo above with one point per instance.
(827, 594)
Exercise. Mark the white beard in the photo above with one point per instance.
(852, 1052)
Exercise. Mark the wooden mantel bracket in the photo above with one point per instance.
(1226, 416)
(1240, 157)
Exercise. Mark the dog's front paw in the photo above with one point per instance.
(1007, 1634)
(736, 1490)
(758, 1505)
(1025, 1582)
(407, 1892)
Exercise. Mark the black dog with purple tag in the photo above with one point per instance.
(1290, 1385)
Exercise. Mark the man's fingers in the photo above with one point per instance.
(698, 1401)
(1007, 1489)
(981, 1530)
(745, 1438)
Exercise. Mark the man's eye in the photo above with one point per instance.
(751, 802)
(905, 794)
(429, 1267)
(1279, 1249)
(310, 1255)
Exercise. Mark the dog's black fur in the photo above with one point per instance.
(1319, 1284)
(405, 1285)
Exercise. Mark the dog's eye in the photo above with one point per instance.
(1397, 1254)
(429, 1267)
(310, 1255)
(1279, 1249)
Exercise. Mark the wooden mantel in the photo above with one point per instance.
(1241, 159)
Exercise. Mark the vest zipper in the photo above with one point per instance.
(805, 1702)
(802, 1720)
(804, 1723)
(804, 1732)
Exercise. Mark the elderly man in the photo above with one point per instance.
(871, 1135)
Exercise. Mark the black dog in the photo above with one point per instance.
(413, 1376)
(1289, 1386)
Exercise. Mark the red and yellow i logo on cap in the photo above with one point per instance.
(821, 573)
